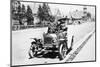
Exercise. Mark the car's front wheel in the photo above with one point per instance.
(62, 50)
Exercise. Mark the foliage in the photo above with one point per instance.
(89, 15)
(44, 13)
(18, 13)
(29, 15)
(23, 11)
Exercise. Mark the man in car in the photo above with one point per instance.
(61, 27)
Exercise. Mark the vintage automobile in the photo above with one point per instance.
(51, 42)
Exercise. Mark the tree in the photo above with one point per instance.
(40, 13)
(15, 10)
(20, 15)
(89, 15)
(43, 12)
(46, 10)
(18, 12)
(23, 9)
(29, 15)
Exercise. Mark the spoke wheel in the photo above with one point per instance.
(32, 51)
(62, 51)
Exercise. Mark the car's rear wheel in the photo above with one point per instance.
(62, 50)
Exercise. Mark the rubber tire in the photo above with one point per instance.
(62, 54)
(32, 52)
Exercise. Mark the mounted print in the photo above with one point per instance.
(52, 33)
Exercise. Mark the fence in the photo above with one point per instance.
(21, 27)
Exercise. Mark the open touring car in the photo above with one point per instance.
(54, 42)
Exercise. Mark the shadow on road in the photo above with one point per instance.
(51, 55)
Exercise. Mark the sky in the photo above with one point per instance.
(64, 9)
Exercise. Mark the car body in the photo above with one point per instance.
(55, 40)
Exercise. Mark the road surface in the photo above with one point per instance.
(87, 55)
(21, 43)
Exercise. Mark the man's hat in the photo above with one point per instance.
(62, 20)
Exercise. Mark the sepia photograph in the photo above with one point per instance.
(52, 33)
